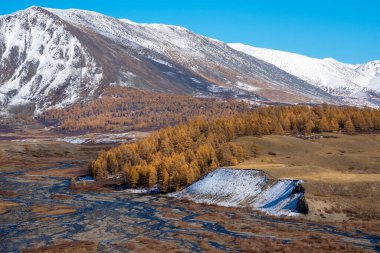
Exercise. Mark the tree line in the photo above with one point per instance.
(121, 108)
(174, 157)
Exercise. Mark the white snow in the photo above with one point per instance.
(201, 54)
(244, 188)
(87, 178)
(278, 198)
(326, 72)
(73, 140)
(335, 77)
(99, 138)
(56, 55)
(154, 189)
(245, 86)
(161, 61)
(65, 66)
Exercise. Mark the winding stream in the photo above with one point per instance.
(114, 218)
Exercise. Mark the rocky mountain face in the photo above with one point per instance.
(42, 62)
(357, 85)
(54, 58)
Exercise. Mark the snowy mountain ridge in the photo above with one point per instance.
(54, 58)
(341, 79)
(59, 57)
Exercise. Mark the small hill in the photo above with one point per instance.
(245, 188)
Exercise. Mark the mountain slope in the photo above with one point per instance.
(205, 58)
(356, 84)
(42, 62)
(53, 58)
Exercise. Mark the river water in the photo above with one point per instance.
(116, 218)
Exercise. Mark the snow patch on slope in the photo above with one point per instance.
(246, 87)
(99, 138)
(244, 188)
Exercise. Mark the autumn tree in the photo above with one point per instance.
(309, 126)
(152, 176)
(322, 125)
(164, 180)
(176, 156)
(349, 126)
(112, 164)
(133, 177)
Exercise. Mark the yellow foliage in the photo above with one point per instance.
(177, 156)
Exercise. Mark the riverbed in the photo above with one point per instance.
(47, 212)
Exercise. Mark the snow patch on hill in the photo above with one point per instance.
(245, 188)
(245, 86)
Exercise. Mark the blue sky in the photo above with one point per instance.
(348, 30)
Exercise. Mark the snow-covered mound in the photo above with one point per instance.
(245, 188)
(355, 83)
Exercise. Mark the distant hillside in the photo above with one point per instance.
(355, 84)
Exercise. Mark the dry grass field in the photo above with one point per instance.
(41, 153)
(66, 247)
(341, 172)
(38, 147)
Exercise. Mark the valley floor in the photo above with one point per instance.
(39, 212)
(341, 172)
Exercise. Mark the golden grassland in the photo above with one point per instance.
(4, 205)
(52, 209)
(67, 173)
(37, 147)
(40, 153)
(341, 172)
(66, 247)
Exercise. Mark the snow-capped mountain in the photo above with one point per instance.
(42, 61)
(53, 58)
(356, 84)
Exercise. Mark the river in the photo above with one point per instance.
(116, 219)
